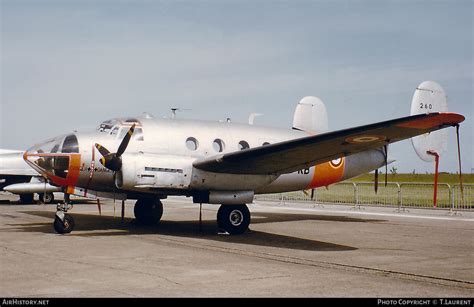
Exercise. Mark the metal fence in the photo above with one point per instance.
(401, 195)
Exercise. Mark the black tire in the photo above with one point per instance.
(235, 219)
(47, 198)
(26, 198)
(65, 226)
(148, 211)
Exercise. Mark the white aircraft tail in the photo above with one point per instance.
(429, 97)
(310, 115)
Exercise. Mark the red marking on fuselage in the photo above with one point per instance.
(327, 173)
(91, 171)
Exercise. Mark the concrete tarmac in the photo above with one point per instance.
(290, 251)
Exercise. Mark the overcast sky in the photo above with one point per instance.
(67, 65)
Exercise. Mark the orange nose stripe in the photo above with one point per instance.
(73, 168)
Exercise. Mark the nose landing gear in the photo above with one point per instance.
(63, 222)
(64, 225)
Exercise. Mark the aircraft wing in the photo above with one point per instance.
(293, 155)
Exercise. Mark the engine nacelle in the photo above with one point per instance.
(144, 170)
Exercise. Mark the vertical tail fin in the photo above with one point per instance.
(429, 97)
(311, 115)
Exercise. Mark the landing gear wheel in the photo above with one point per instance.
(235, 219)
(46, 198)
(148, 211)
(65, 226)
(26, 198)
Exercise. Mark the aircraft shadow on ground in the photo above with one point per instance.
(91, 225)
(37, 202)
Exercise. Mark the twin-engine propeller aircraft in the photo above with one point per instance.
(222, 163)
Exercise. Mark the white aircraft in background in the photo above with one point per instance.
(221, 163)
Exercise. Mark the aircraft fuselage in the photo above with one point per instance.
(160, 155)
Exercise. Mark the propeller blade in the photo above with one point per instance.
(109, 160)
(312, 194)
(112, 161)
(125, 141)
(103, 151)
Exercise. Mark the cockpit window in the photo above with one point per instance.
(131, 120)
(52, 156)
(70, 144)
(118, 127)
(60, 166)
(49, 146)
(122, 133)
(107, 125)
(114, 131)
(137, 134)
(55, 148)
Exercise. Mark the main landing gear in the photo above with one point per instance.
(26, 198)
(46, 198)
(148, 211)
(235, 219)
(63, 222)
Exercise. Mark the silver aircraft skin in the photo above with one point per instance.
(162, 161)
(221, 163)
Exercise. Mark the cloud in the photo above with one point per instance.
(67, 67)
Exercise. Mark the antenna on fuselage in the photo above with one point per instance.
(173, 111)
(252, 117)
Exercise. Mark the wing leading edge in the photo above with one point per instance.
(293, 155)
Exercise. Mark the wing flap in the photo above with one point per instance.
(293, 155)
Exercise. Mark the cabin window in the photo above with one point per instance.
(243, 145)
(218, 145)
(265, 144)
(192, 144)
